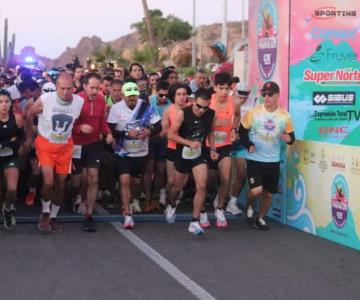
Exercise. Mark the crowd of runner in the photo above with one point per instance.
(128, 135)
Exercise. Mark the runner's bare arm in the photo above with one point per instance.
(173, 131)
(35, 109)
(165, 123)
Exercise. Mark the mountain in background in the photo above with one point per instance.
(205, 36)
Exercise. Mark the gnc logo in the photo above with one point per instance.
(329, 12)
(333, 130)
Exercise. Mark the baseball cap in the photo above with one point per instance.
(242, 89)
(271, 87)
(130, 89)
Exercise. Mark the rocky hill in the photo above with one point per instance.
(205, 36)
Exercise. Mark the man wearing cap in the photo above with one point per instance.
(132, 121)
(261, 131)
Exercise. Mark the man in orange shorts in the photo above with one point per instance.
(57, 112)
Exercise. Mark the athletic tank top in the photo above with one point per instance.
(8, 134)
(56, 120)
(225, 116)
(172, 115)
(194, 128)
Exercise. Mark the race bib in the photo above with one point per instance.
(189, 153)
(220, 137)
(133, 146)
(77, 151)
(6, 151)
(58, 138)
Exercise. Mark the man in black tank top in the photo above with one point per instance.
(190, 130)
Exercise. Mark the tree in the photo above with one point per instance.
(167, 30)
(148, 23)
(106, 55)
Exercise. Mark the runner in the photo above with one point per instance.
(11, 137)
(178, 94)
(261, 131)
(227, 117)
(54, 146)
(156, 164)
(88, 148)
(238, 155)
(132, 121)
(191, 128)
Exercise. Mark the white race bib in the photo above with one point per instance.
(58, 138)
(133, 146)
(77, 151)
(220, 137)
(6, 151)
(189, 153)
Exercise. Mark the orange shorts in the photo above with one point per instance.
(57, 156)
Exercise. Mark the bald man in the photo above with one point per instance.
(57, 112)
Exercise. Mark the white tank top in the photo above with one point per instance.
(56, 120)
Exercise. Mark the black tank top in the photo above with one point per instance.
(8, 131)
(195, 128)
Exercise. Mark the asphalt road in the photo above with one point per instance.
(236, 263)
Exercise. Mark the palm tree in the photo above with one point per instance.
(148, 24)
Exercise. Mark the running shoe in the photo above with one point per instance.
(30, 198)
(148, 207)
(89, 225)
(9, 218)
(170, 214)
(135, 206)
(204, 220)
(220, 218)
(261, 224)
(195, 228)
(55, 226)
(82, 208)
(44, 222)
(232, 207)
(128, 222)
(76, 204)
(250, 215)
(162, 199)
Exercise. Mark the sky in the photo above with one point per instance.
(51, 27)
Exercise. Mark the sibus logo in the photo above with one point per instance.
(329, 12)
(334, 98)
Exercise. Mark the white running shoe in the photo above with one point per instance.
(250, 215)
(204, 220)
(128, 222)
(170, 214)
(162, 199)
(76, 204)
(216, 201)
(135, 206)
(232, 207)
(220, 218)
(195, 228)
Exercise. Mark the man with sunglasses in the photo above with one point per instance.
(189, 131)
(132, 121)
(261, 131)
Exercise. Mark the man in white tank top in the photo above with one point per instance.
(57, 113)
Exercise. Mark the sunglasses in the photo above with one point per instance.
(270, 94)
(202, 107)
(162, 95)
(129, 89)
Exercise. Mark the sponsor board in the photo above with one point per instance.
(334, 98)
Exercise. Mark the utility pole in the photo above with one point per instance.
(224, 38)
(193, 39)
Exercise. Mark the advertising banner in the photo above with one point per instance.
(324, 190)
(325, 70)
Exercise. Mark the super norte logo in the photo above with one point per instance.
(339, 201)
(267, 32)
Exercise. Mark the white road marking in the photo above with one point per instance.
(161, 261)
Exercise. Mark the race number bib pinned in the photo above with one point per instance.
(77, 151)
(220, 137)
(189, 153)
(133, 146)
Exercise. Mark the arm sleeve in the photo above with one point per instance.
(156, 128)
(244, 136)
(116, 133)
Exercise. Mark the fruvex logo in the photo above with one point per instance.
(339, 201)
(333, 33)
(333, 130)
(329, 12)
(332, 55)
(267, 32)
(334, 98)
(339, 76)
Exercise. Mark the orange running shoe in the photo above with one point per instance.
(30, 198)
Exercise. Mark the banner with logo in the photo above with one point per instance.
(325, 70)
(268, 38)
(323, 189)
